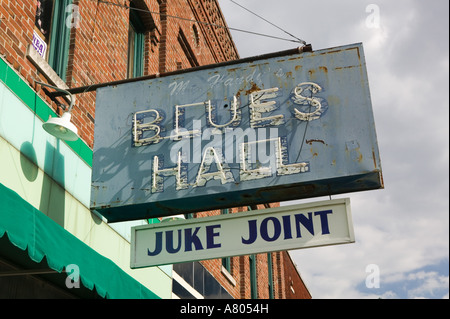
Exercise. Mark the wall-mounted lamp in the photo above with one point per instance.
(61, 127)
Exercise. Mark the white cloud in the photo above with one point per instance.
(429, 284)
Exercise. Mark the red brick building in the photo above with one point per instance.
(82, 43)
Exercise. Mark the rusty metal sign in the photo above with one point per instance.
(275, 229)
(289, 126)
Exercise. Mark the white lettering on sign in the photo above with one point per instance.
(260, 103)
(235, 118)
(280, 228)
(308, 102)
(266, 171)
(147, 130)
(139, 128)
(223, 173)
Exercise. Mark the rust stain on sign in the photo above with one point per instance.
(310, 142)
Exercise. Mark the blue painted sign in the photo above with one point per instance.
(272, 129)
(274, 229)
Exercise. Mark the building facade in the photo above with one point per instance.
(45, 182)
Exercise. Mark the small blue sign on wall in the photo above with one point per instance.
(286, 127)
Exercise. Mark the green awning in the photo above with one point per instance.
(30, 230)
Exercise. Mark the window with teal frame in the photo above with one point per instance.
(136, 40)
(58, 56)
(226, 262)
(253, 270)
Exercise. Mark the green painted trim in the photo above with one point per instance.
(35, 103)
(253, 277)
(226, 262)
(153, 221)
(139, 40)
(138, 68)
(269, 265)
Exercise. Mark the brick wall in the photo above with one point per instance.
(98, 53)
(98, 46)
(295, 287)
(16, 31)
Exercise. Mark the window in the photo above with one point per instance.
(52, 36)
(43, 19)
(184, 43)
(196, 35)
(136, 40)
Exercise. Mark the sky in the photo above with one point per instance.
(402, 231)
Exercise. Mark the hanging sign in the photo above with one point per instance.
(273, 229)
(275, 128)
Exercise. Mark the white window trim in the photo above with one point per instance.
(228, 276)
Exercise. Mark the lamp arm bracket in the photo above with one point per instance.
(60, 90)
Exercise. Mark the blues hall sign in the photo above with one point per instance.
(288, 126)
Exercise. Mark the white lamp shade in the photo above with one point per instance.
(61, 127)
